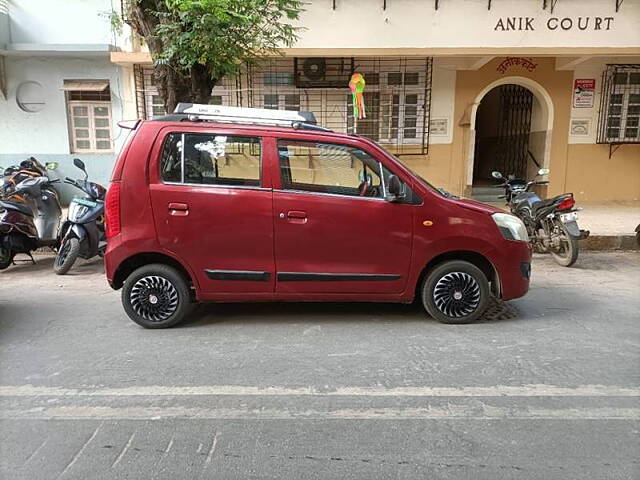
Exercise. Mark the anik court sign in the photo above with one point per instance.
(508, 24)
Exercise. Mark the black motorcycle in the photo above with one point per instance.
(82, 234)
(551, 224)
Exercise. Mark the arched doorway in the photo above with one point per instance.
(511, 127)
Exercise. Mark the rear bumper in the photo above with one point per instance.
(514, 269)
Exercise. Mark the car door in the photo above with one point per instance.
(213, 209)
(334, 230)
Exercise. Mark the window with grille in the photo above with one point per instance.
(397, 95)
(619, 120)
(89, 114)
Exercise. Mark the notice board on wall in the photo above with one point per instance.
(584, 92)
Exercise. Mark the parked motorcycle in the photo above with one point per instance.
(30, 212)
(551, 224)
(82, 234)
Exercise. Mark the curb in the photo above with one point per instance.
(609, 242)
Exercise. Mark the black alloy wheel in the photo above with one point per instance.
(455, 292)
(156, 296)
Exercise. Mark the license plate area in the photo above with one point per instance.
(86, 203)
(568, 217)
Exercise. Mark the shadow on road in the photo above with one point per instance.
(207, 314)
(44, 264)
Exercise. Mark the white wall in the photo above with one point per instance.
(45, 134)
(465, 23)
(46, 131)
(443, 89)
(59, 21)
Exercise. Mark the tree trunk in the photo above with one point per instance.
(173, 85)
(201, 84)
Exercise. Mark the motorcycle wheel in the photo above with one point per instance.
(567, 254)
(6, 258)
(66, 256)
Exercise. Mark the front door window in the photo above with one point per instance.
(330, 169)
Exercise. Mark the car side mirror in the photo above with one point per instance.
(543, 171)
(496, 175)
(394, 188)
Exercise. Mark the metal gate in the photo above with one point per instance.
(514, 126)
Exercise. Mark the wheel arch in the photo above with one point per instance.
(138, 260)
(475, 258)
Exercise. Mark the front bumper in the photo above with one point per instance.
(513, 266)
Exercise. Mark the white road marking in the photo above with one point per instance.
(35, 452)
(535, 390)
(82, 449)
(124, 450)
(448, 412)
(212, 450)
(169, 445)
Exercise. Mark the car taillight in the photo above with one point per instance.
(112, 210)
(567, 203)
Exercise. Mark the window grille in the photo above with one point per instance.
(397, 95)
(619, 120)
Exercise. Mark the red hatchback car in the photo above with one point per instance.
(228, 204)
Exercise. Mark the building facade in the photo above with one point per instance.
(60, 94)
(455, 88)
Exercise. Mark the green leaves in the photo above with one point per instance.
(216, 37)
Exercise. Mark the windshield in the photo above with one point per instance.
(440, 191)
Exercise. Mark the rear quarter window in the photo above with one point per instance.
(210, 159)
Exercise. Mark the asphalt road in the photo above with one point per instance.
(544, 387)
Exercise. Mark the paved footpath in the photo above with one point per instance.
(544, 387)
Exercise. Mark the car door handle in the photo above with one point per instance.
(294, 216)
(297, 214)
(178, 209)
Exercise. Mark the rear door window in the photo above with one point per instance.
(209, 159)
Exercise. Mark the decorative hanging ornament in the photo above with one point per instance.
(356, 85)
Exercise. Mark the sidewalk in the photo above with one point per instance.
(612, 224)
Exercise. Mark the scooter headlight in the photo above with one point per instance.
(512, 227)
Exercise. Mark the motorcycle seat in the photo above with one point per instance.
(546, 203)
(18, 207)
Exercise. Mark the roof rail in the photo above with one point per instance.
(250, 116)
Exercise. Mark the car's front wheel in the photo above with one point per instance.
(156, 296)
(455, 292)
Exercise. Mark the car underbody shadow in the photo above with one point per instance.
(329, 312)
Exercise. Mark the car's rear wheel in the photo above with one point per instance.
(455, 292)
(156, 296)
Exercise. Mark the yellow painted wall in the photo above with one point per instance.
(436, 167)
(469, 84)
(593, 176)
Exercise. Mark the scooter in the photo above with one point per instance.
(82, 234)
(30, 212)
(551, 224)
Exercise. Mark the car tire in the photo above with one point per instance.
(157, 296)
(455, 292)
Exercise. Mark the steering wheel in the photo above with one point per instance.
(363, 189)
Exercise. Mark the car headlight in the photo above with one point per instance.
(512, 227)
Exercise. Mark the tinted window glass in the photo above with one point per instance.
(211, 159)
(329, 168)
